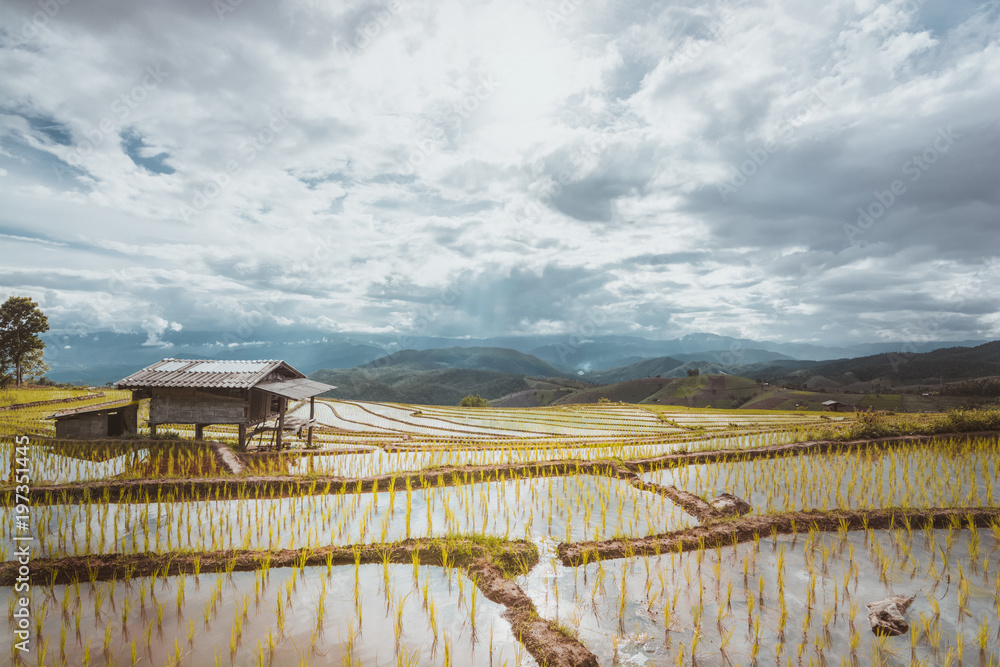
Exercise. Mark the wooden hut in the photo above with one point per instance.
(99, 421)
(203, 392)
(833, 406)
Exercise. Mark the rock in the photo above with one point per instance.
(886, 616)
(727, 504)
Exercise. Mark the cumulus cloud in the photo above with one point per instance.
(155, 327)
(769, 168)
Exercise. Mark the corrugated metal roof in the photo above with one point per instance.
(101, 407)
(225, 374)
(226, 367)
(296, 389)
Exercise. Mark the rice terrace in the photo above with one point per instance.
(514, 333)
(591, 534)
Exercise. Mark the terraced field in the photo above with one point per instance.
(575, 536)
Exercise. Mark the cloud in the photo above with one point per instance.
(480, 169)
(155, 327)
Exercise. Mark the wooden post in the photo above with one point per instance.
(199, 431)
(312, 413)
(243, 436)
(281, 421)
(152, 430)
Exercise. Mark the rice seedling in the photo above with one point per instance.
(817, 577)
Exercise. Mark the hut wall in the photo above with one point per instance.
(97, 425)
(83, 427)
(184, 405)
(261, 404)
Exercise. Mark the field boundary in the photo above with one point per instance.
(33, 404)
(752, 528)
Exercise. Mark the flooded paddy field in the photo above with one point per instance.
(942, 472)
(123, 529)
(351, 615)
(560, 508)
(800, 598)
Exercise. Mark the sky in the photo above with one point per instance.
(768, 169)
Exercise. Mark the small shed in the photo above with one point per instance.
(203, 392)
(833, 406)
(97, 422)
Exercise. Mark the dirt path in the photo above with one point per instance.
(546, 644)
(747, 528)
(227, 458)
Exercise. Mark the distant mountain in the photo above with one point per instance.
(99, 357)
(948, 364)
(108, 356)
(606, 352)
(441, 376)
(733, 392)
(648, 368)
(501, 360)
(402, 384)
(675, 367)
(738, 357)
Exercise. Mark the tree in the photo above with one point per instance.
(474, 401)
(34, 365)
(693, 372)
(20, 323)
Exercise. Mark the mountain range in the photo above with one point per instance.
(512, 378)
(98, 358)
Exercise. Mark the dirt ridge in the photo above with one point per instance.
(753, 527)
(53, 401)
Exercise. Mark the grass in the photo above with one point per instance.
(884, 424)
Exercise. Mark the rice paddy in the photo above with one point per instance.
(797, 598)
(156, 552)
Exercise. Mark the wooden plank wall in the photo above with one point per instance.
(184, 405)
(84, 427)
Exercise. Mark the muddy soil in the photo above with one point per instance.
(747, 528)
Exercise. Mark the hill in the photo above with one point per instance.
(674, 367)
(501, 360)
(400, 384)
(647, 368)
(898, 369)
(731, 391)
(443, 376)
